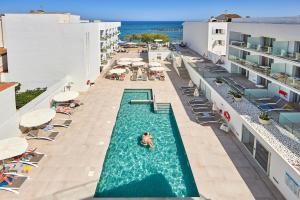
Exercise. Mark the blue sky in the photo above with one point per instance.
(140, 10)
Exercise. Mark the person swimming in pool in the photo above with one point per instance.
(147, 140)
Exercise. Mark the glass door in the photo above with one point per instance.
(262, 156)
(248, 139)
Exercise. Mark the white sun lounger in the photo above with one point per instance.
(61, 123)
(42, 135)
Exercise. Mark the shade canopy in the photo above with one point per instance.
(136, 59)
(117, 71)
(65, 96)
(11, 147)
(157, 69)
(124, 63)
(137, 64)
(191, 84)
(154, 64)
(125, 59)
(37, 117)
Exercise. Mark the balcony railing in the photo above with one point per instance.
(281, 77)
(276, 50)
(278, 114)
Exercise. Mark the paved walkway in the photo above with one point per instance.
(221, 166)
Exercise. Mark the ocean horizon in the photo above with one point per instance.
(173, 29)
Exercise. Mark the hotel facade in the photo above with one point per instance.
(35, 45)
(259, 58)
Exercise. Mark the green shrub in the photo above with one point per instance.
(264, 116)
(147, 37)
(22, 98)
(235, 94)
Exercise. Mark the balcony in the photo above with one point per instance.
(277, 71)
(276, 49)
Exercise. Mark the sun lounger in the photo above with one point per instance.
(61, 123)
(42, 135)
(268, 99)
(201, 109)
(187, 87)
(280, 104)
(208, 120)
(206, 114)
(198, 102)
(29, 158)
(17, 181)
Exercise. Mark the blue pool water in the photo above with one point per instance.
(130, 169)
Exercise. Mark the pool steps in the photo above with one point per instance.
(141, 101)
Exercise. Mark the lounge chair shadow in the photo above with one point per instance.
(154, 185)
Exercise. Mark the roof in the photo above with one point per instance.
(4, 86)
(227, 17)
(269, 20)
(3, 51)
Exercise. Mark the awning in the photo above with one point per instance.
(65, 96)
(11, 147)
(37, 117)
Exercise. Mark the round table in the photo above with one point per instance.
(11, 147)
(37, 118)
(65, 96)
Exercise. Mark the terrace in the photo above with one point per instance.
(74, 161)
(282, 134)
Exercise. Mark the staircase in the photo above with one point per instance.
(163, 108)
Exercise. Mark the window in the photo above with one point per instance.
(262, 156)
(248, 139)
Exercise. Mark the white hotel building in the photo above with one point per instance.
(260, 57)
(52, 50)
(36, 45)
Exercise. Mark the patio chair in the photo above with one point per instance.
(16, 180)
(61, 123)
(42, 135)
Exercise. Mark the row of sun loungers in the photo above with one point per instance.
(201, 107)
(12, 175)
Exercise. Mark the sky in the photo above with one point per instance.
(156, 10)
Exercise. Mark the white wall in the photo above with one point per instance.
(43, 51)
(282, 32)
(212, 38)
(195, 34)
(8, 117)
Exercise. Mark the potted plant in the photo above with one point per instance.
(219, 81)
(236, 95)
(264, 118)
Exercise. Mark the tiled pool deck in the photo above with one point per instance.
(221, 166)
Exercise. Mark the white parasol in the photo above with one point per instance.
(11, 147)
(137, 64)
(196, 93)
(157, 69)
(117, 71)
(65, 96)
(37, 117)
(154, 64)
(136, 59)
(124, 63)
(191, 84)
(125, 59)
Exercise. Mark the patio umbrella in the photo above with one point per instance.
(11, 147)
(154, 64)
(37, 117)
(136, 59)
(139, 72)
(65, 96)
(117, 71)
(125, 59)
(196, 93)
(157, 69)
(191, 84)
(124, 63)
(137, 64)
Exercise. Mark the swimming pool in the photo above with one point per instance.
(130, 169)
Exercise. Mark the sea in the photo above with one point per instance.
(173, 29)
